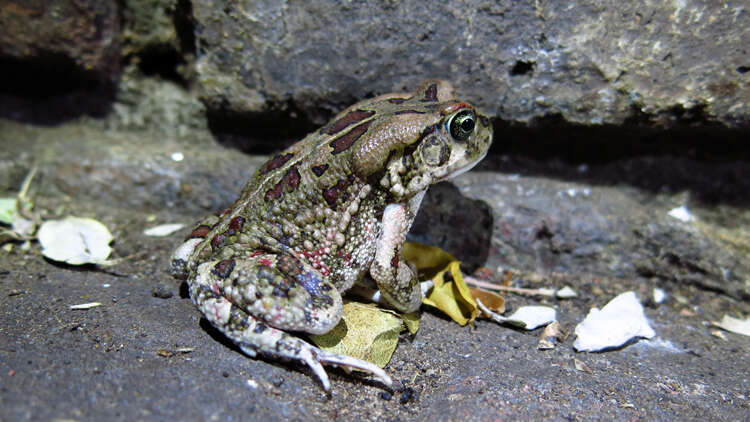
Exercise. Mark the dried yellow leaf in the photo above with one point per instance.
(411, 321)
(491, 300)
(365, 332)
(451, 295)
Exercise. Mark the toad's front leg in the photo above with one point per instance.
(397, 282)
(253, 300)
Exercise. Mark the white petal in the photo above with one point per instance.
(75, 240)
(621, 320)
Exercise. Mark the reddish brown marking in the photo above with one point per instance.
(344, 142)
(275, 162)
(234, 226)
(394, 261)
(430, 94)
(237, 222)
(319, 170)
(287, 184)
(396, 100)
(349, 119)
(273, 193)
(218, 241)
(200, 232)
(409, 112)
(256, 253)
(452, 107)
(331, 194)
(223, 268)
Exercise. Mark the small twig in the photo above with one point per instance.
(490, 286)
(26, 184)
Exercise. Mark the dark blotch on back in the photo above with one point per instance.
(275, 162)
(287, 184)
(218, 241)
(409, 112)
(349, 119)
(396, 100)
(430, 94)
(200, 232)
(237, 223)
(223, 268)
(319, 170)
(331, 195)
(344, 142)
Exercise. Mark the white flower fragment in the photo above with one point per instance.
(659, 295)
(734, 325)
(84, 306)
(163, 230)
(75, 240)
(619, 321)
(531, 317)
(681, 213)
(566, 293)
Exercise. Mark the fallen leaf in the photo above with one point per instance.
(429, 260)
(75, 240)
(449, 293)
(7, 210)
(619, 321)
(552, 334)
(580, 366)
(411, 321)
(365, 332)
(491, 300)
(734, 325)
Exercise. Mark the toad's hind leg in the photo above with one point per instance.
(254, 336)
(278, 289)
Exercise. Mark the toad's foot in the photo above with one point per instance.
(254, 337)
(314, 358)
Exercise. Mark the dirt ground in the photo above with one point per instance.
(122, 360)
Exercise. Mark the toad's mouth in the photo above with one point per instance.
(453, 171)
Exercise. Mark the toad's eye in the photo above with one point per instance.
(461, 125)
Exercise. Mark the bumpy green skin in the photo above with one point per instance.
(318, 217)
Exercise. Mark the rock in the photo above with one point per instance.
(592, 63)
(83, 34)
(130, 169)
(579, 231)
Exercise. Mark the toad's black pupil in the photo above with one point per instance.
(467, 125)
